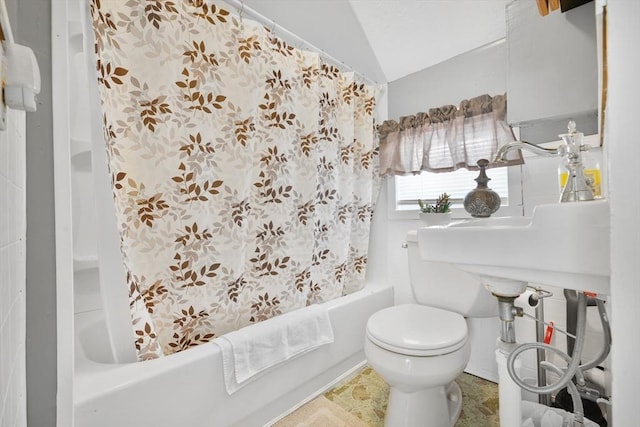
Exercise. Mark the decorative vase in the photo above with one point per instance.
(482, 201)
(435, 218)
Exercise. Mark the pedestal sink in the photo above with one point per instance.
(564, 245)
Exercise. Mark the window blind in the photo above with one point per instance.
(428, 186)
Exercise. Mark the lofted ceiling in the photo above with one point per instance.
(389, 39)
(409, 35)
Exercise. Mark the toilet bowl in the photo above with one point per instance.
(419, 349)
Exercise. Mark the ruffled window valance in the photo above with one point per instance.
(447, 138)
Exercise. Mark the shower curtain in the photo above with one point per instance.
(244, 170)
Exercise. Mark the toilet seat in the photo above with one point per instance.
(417, 330)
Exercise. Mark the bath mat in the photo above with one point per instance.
(320, 412)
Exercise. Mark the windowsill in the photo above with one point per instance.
(456, 213)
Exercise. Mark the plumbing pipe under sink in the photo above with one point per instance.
(575, 370)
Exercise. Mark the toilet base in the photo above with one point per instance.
(433, 407)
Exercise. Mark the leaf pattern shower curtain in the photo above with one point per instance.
(243, 169)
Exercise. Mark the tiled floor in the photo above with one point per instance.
(365, 396)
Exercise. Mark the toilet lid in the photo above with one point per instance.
(417, 330)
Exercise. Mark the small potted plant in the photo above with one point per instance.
(438, 213)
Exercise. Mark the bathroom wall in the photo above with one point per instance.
(13, 392)
(27, 256)
(623, 149)
(31, 21)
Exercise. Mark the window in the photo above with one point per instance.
(438, 141)
(405, 191)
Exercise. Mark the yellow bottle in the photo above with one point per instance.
(592, 173)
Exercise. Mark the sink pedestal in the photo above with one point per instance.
(509, 393)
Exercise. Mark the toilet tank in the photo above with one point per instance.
(444, 286)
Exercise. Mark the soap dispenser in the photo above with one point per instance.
(576, 187)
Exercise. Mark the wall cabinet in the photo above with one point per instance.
(552, 71)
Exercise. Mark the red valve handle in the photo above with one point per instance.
(549, 333)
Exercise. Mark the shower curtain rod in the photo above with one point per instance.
(244, 10)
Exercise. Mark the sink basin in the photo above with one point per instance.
(564, 245)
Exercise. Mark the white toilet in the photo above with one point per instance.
(419, 349)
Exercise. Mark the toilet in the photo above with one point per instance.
(419, 349)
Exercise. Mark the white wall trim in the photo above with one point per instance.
(63, 218)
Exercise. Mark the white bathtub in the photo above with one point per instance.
(186, 389)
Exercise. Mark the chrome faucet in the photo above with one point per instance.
(515, 145)
(576, 188)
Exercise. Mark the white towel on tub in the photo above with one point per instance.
(253, 350)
